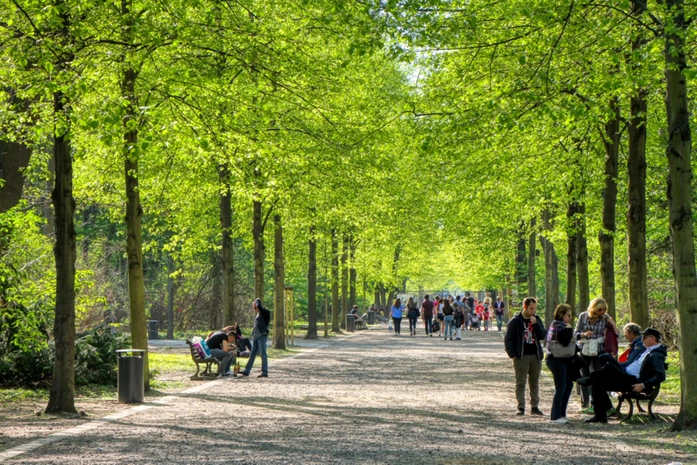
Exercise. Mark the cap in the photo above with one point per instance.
(652, 332)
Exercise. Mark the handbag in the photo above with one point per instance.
(561, 351)
(611, 345)
(590, 347)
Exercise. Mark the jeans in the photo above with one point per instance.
(412, 324)
(527, 368)
(499, 321)
(258, 346)
(593, 365)
(562, 386)
(428, 324)
(226, 359)
(397, 324)
(448, 320)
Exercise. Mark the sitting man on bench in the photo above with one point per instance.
(360, 321)
(222, 346)
(642, 375)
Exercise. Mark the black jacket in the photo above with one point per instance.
(514, 336)
(653, 368)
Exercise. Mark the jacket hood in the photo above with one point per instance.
(661, 349)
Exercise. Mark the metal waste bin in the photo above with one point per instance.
(152, 330)
(371, 317)
(350, 323)
(131, 387)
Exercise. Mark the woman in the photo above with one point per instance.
(560, 332)
(439, 314)
(413, 315)
(487, 310)
(396, 314)
(448, 316)
(591, 325)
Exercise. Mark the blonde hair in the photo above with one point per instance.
(594, 305)
(410, 302)
(487, 299)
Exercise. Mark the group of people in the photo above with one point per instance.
(584, 354)
(448, 316)
(224, 343)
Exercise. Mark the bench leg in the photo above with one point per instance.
(631, 411)
(196, 375)
(651, 415)
(639, 407)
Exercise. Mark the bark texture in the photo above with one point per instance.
(227, 262)
(520, 261)
(606, 237)
(336, 310)
(551, 272)
(582, 261)
(344, 281)
(571, 254)
(279, 335)
(532, 257)
(312, 287)
(259, 252)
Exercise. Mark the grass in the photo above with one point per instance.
(14, 395)
(670, 388)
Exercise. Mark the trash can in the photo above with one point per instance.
(152, 330)
(131, 386)
(350, 323)
(371, 317)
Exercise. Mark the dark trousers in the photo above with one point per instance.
(563, 385)
(611, 377)
(428, 324)
(593, 364)
(412, 324)
(397, 324)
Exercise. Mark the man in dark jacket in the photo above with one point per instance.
(642, 375)
(524, 335)
(260, 334)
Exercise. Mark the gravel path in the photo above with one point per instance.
(373, 398)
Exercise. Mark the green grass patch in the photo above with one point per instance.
(9, 396)
(670, 388)
(168, 363)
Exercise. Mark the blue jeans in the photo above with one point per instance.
(428, 324)
(562, 386)
(412, 324)
(499, 321)
(226, 359)
(449, 328)
(258, 346)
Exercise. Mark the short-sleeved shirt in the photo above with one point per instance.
(216, 340)
(397, 311)
(427, 305)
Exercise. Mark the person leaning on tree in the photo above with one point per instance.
(523, 341)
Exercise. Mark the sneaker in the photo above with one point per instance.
(560, 421)
(520, 413)
(588, 411)
(536, 411)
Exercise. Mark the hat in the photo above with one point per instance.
(652, 332)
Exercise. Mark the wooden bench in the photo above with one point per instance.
(638, 397)
(208, 361)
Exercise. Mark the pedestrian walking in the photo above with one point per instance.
(524, 334)
(499, 309)
(427, 315)
(412, 315)
(448, 317)
(396, 314)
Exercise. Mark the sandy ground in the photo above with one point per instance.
(373, 398)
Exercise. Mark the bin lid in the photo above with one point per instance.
(140, 352)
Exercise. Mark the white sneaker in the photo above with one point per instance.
(560, 421)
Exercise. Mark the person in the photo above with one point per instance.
(222, 346)
(448, 317)
(412, 315)
(479, 310)
(592, 324)
(427, 315)
(632, 332)
(470, 300)
(563, 369)
(467, 311)
(524, 334)
(439, 315)
(499, 309)
(458, 317)
(260, 333)
(396, 314)
(244, 345)
(642, 375)
(358, 318)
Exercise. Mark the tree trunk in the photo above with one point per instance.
(520, 267)
(636, 191)
(62, 393)
(551, 272)
(532, 256)
(679, 154)
(352, 272)
(582, 262)
(336, 311)
(227, 262)
(571, 253)
(258, 233)
(312, 287)
(134, 214)
(344, 281)
(170, 297)
(14, 157)
(606, 237)
(279, 334)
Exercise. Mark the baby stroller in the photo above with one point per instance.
(474, 323)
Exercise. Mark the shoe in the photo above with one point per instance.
(520, 412)
(451, 338)
(536, 411)
(612, 412)
(560, 421)
(244, 373)
(263, 376)
(595, 419)
(458, 338)
(588, 410)
(585, 381)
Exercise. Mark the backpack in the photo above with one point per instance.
(436, 326)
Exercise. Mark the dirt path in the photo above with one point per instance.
(373, 398)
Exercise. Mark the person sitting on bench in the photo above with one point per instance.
(632, 332)
(642, 375)
(244, 345)
(359, 319)
(222, 346)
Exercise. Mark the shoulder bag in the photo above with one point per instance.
(561, 351)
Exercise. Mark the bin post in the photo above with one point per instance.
(131, 387)
(350, 323)
(371, 317)
(152, 330)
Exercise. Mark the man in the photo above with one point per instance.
(470, 301)
(524, 335)
(260, 333)
(499, 308)
(359, 318)
(222, 345)
(427, 314)
(642, 375)
(632, 332)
